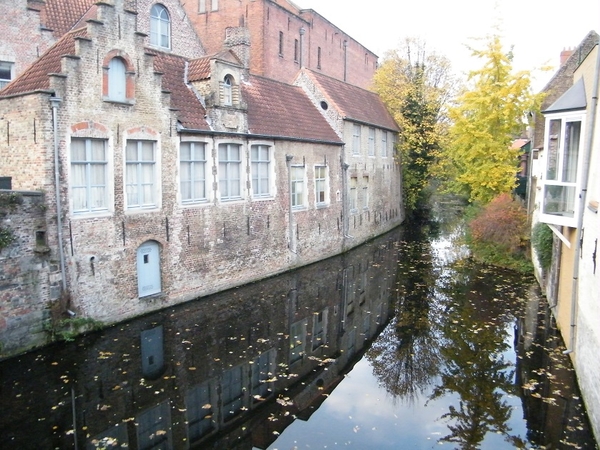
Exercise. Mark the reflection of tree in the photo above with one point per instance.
(475, 338)
(405, 358)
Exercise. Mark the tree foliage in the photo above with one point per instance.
(487, 116)
(415, 86)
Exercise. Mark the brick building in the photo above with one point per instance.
(170, 174)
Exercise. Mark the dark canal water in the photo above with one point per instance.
(401, 343)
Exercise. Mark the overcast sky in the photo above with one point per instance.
(538, 29)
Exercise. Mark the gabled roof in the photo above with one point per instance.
(353, 102)
(283, 110)
(572, 100)
(36, 77)
(61, 16)
(190, 112)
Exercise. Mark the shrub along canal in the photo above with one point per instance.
(403, 342)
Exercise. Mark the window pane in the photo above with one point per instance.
(78, 150)
(186, 151)
(98, 150)
(131, 151)
(147, 151)
(559, 200)
(571, 151)
(552, 154)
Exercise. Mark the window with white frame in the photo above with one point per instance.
(201, 6)
(356, 140)
(192, 168)
(215, 5)
(230, 170)
(563, 144)
(117, 80)
(371, 141)
(353, 194)
(89, 166)
(321, 185)
(160, 27)
(6, 72)
(260, 167)
(297, 187)
(384, 144)
(140, 174)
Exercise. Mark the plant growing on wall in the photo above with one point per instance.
(6, 237)
(542, 240)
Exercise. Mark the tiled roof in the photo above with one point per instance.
(36, 76)
(199, 69)
(190, 111)
(279, 109)
(60, 16)
(355, 103)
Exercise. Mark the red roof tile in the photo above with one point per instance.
(199, 69)
(279, 109)
(190, 111)
(36, 76)
(355, 103)
(60, 16)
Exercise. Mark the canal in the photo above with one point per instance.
(403, 342)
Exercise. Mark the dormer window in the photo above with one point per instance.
(160, 27)
(228, 90)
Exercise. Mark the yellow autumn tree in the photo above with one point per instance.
(487, 116)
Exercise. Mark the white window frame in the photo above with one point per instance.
(321, 185)
(160, 27)
(371, 141)
(384, 144)
(196, 176)
(140, 186)
(262, 170)
(8, 68)
(298, 186)
(557, 188)
(356, 137)
(89, 164)
(226, 168)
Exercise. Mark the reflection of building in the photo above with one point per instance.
(169, 173)
(232, 368)
(566, 198)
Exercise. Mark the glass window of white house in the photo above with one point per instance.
(260, 166)
(6, 73)
(89, 165)
(192, 166)
(356, 140)
(384, 149)
(371, 141)
(321, 189)
(160, 27)
(117, 81)
(140, 174)
(297, 187)
(230, 162)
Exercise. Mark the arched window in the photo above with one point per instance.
(117, 80)
(160, 27)
(227, 90)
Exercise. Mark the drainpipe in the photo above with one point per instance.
(54, 103)
(587, 154)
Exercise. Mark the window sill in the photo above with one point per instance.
(298, 208)
(322, 205)
(132, 211)
(195, 204)
(90, 215)
(119, 102)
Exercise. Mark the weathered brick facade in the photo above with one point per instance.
(255, 217)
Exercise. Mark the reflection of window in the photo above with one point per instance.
(297, 338)
(321, 189)
(193, 172)
(263, 370)
(117, 81)
(356, 140)
(232, 392)
(230, 171)
(154, 427)
(260, 167)
(160, 27)
(297, 187)
(89, 175)
(140, 174)
(560, 181)
(6, 73)
(199, 406)
(319, 335)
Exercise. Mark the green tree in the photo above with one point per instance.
(487, 116)
(415, 86)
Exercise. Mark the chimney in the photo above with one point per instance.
(238, 40)
(566, 54)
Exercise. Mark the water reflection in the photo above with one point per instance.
(228, 371)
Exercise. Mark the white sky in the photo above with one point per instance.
(538, 29)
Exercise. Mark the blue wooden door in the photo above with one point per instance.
(148, 269)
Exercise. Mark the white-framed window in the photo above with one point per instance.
(260, 168)
(371, 141)
(298, 191)
(140, 174)
(356, 140)
(201, 6)
(192, 172)
(6, 72)
(561, 172)
(321, 185)
(214, 5)
(117, 80)
(89, 175)
(160, 27)
(353, 194)
(384, 144)
(230, 171)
